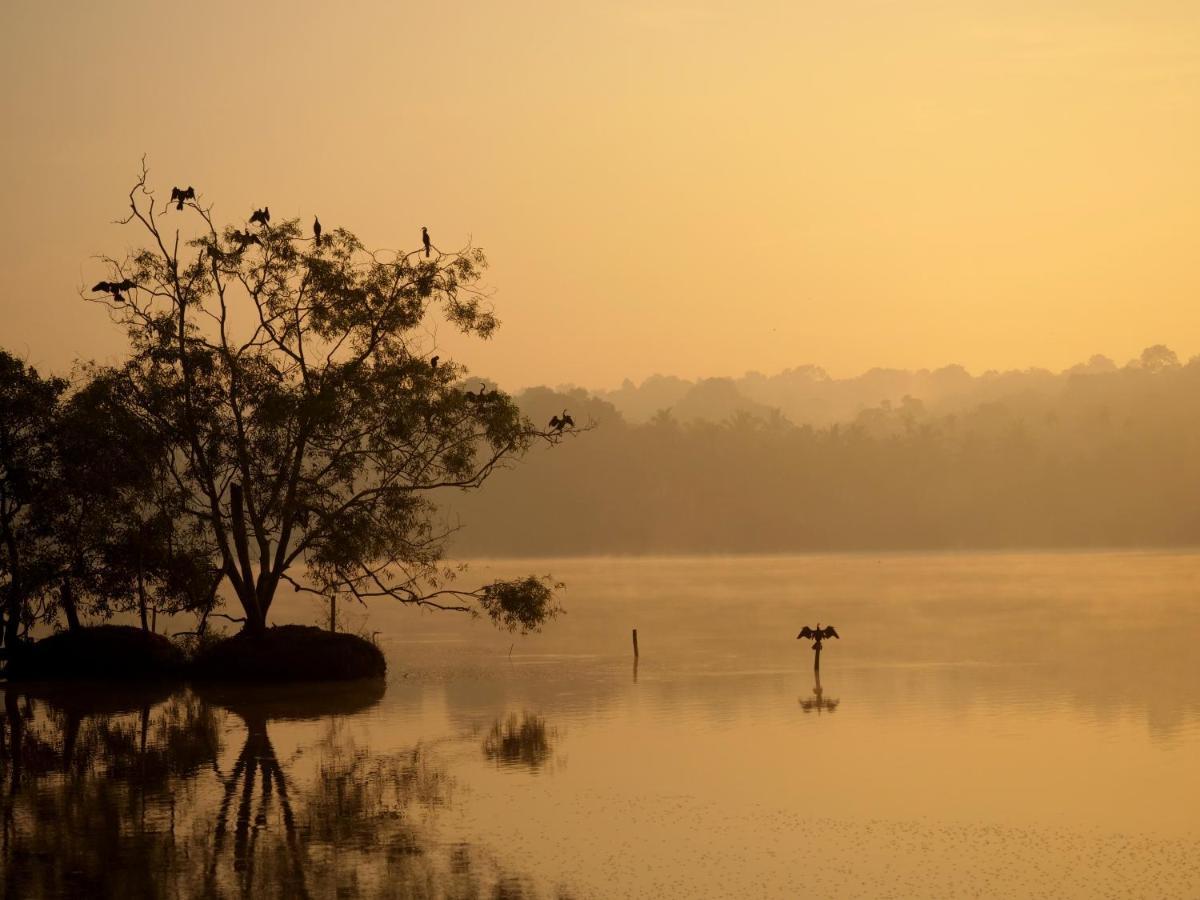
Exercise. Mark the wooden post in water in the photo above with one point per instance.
(635, 646)
(817, 656)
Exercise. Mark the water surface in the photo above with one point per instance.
(989, 725)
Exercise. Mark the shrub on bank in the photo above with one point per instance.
(100, 652)
(289, 653)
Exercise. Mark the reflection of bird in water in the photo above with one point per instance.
(262, 216)
(818, 701)
(116, 288)
(425, 239)
(178, 195)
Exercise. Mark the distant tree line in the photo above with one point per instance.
(1102, 456)
(809, 395)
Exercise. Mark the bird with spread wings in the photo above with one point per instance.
(178, 195)
(116, 288)
(818, 633)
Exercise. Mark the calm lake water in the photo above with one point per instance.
(989, 725)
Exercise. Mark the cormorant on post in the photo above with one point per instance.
(116, 288)
(316, 231)
(262, 216)
(818, 634)
(178, 195)
(425, 240)
(433, 361)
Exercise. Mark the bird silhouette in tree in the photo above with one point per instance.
(116, 288)
(433, 361)
(178, 195)
(262, 216)
(244, 239)
(425, 239)
(316, 231)
(559, 423)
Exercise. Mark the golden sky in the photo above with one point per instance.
(693, 188)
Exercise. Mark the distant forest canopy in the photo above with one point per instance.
(807, 395)
(1097, 455)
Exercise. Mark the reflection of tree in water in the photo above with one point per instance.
(519, 741)
(118, 803)
(88, 795)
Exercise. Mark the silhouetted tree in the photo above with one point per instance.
(28, 406)
(308, 432)
(114, 516)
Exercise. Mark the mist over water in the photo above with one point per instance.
(988, 724)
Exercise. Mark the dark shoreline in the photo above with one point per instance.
(124, 653)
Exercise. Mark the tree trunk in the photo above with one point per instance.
(16, 597)
(256, 622)
(142, 603)
(12, 619)
(70, 610)
(255, 607)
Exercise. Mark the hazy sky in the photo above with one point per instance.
(692, 188)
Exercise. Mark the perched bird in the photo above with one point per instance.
(316, 231)
(116, 288)
(559, 423)
(555, 423)
(433, 361)
(567, 421)
(245, 238)
(262, 216)
(818, 634)
(179, 195)
(425, 239)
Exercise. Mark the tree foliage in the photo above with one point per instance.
(27, 405)
(308, 428)
(88, 523)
